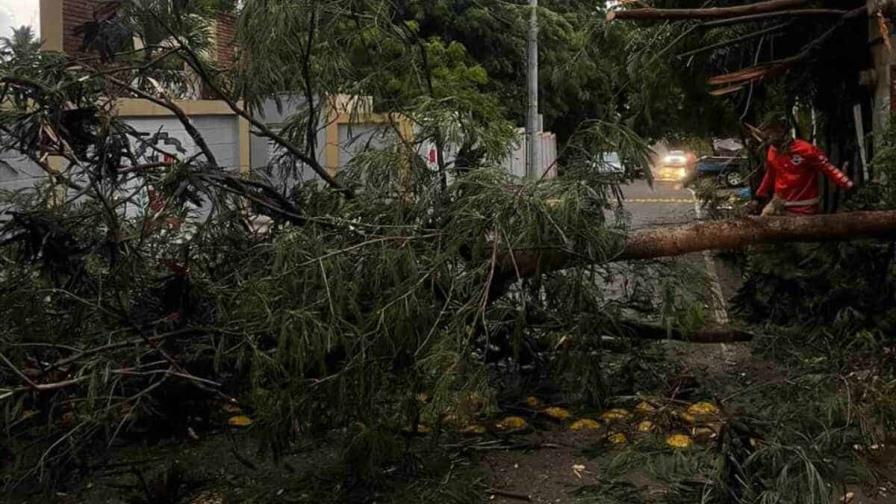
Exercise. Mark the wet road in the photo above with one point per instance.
(666, 203)
(670, 204)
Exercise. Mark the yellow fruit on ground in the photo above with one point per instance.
(646, 426)
(645, 408)
(557, 413)
(533, 402)
(618, 439)
(512, 423)
(615, 415)
(703, 409)
(240, 421)
(679, 441)
(585, 424)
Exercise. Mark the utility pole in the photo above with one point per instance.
(533, 119)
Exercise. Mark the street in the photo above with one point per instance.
(669, 204)
(666, 203)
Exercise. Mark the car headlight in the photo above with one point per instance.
(682, 173)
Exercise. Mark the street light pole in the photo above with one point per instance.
(532, 117)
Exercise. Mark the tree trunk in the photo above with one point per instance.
(707, 335)
(730, 234)
(710, 13)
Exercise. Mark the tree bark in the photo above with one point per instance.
(731, 234)
(707, 335)
(710, 13)
(753, 18)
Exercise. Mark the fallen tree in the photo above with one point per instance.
(731, 234)
(737, 79)
(708, 335)
(121, 311)
(708, 13)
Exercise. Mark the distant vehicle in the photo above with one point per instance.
(731, 171)
(608, 163)
(674, 166)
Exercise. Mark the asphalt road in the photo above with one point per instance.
(669, 204)
(666, 203)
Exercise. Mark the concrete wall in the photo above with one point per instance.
(226, 135)
(881, 78)
(269, 158)
(18, 172)
(221, 133)
(340, 139)
(357, 138)
(516, 162)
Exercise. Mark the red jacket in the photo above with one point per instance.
(792, 176)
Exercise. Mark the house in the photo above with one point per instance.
(347, 125)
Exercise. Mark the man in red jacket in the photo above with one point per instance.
(791, 176)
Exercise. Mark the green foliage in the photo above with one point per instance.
(21, 45)
(843, 286)
(589, 70)
(792, 439)
(139, 300)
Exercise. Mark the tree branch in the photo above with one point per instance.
(710, 13)
(709, 335)
(734, 41)
(777, 67)
(196, 64)
(177, 111)
(769, 15)
(732, 234)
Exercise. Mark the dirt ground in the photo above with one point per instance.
(552, 474)
(544, 475)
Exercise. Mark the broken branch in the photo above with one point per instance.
(769, 15)
(710, 13)
(734, 41)
(778, 67)
(731, 234)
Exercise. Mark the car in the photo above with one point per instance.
(674, 166)
(731, 171)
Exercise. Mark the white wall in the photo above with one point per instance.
(18, 172)
(515, 162)
(221, 133)
(265, 151)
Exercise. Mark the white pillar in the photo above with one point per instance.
(533, 157)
